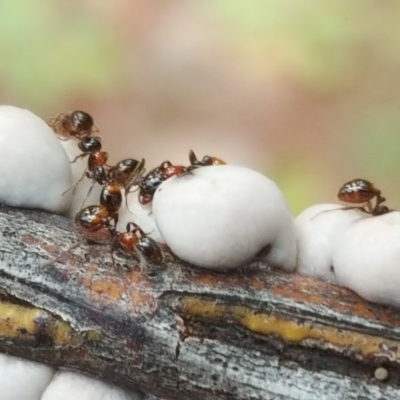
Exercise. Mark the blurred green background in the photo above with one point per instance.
(307, 92)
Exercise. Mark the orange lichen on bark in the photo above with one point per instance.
(143, 302)
(104, 288)
(313, 291)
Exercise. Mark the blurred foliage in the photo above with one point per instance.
(337, 63)
(316, 42)
(299, 180)
(50, 52)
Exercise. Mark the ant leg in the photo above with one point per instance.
(113, 258)
(137, 228)
(192, 157)
(78, 157)
(379, 200)
(115, 219)
(142, 261)
(129, 226)
(368, 207)
(87, 195)
(126, 201)
(75, 185)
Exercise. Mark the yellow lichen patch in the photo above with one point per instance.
(61, 333)
(294, 331)
(16, 319)
(30, 322)
(93, 336)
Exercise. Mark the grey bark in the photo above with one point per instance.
(179, 332)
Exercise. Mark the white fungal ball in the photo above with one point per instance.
(35, 169)
(317, 228)
(366, 258)
(22, 379)
(223, 216)
(139, 214)
(72, 386)
(78, 169)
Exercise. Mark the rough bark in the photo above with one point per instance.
(180, 332)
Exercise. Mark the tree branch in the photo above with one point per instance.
(181, 332)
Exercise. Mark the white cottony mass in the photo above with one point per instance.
(139, 214)
(366, 258)
(71, 386)
(223, 216)
(317, 228)
(35, 169)
(22, 379)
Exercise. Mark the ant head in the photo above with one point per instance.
(81, 121)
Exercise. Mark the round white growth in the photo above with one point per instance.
(366, 258)
(317, 228)
(78, 169)
(23, 380)
(141, 215)
(34, 167)
(224, 216)
(71, 386)
(381, 374)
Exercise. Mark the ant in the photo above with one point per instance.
(150, 182)
(359, 191)
(77, 124)
(135, 241)
(125, 174)
(97, 159)
(98, 224)
(96, 218)
(110, 197)
(205, 161)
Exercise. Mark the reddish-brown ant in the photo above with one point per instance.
(97, 159)
(135, 241)
(77, 123)
(105, 216)
(358, 191)
(126, 172)
(150, 182)
(96, 224)
(123, 175)
(91, 146)
(205, 161)
(92, 219)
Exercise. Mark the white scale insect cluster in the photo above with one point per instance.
(209, 214)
